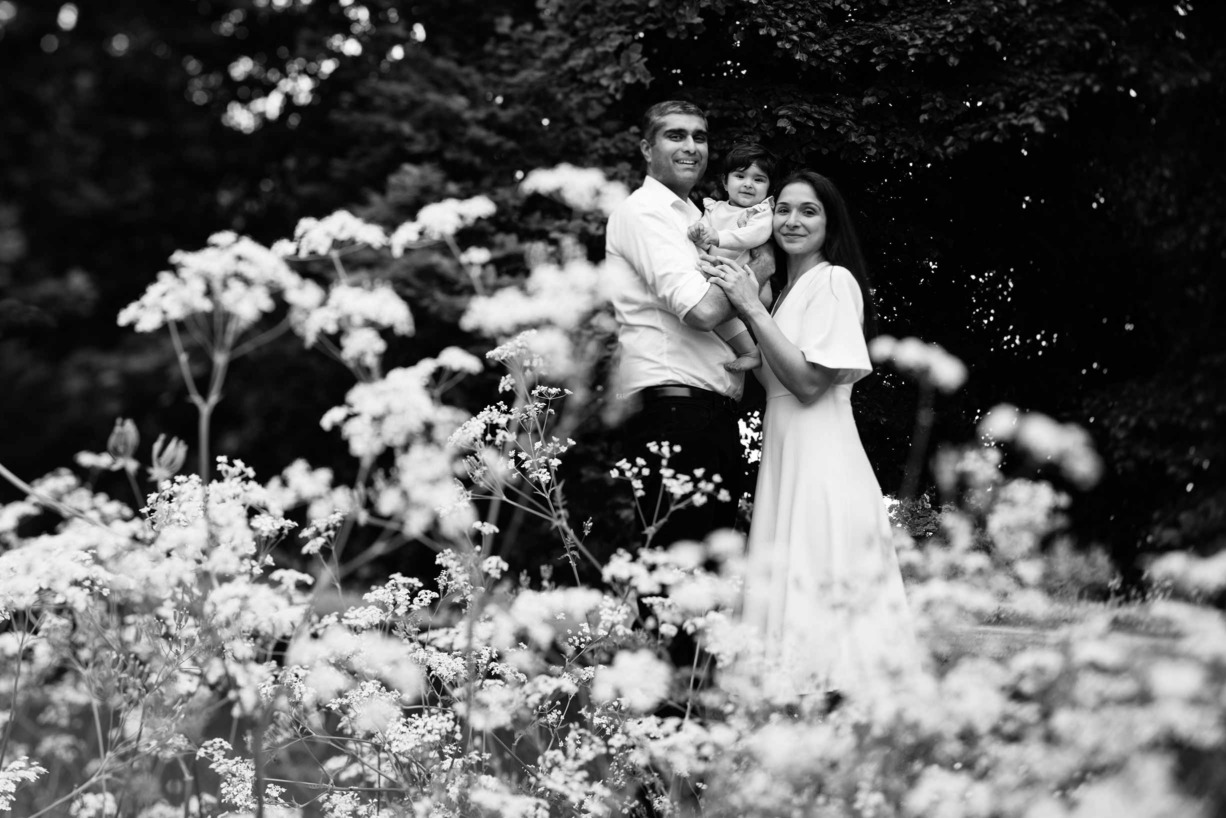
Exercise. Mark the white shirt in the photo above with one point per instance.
(647, 234)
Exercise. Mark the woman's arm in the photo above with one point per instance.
(806, 380)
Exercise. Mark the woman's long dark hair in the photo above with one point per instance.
(841, 247)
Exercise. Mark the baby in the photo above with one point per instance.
(731, 229)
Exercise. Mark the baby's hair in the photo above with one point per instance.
(743, 155)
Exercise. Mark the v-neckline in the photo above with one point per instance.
(789, 288)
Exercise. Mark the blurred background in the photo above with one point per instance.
(1038, 185)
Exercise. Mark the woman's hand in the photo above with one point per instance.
(737, 282)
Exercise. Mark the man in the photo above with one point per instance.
(670, 361)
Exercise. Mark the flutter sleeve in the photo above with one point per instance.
(831, 331)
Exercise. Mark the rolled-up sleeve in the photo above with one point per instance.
(654, 246)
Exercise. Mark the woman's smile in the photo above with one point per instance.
(800, 221)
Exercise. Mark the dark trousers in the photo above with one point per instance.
(705, 428)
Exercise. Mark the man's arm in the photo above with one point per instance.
(714, 308)
(653, 246)
(762, 262)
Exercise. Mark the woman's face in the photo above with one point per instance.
(800, 220)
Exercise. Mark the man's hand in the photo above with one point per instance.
(762, 262)
(766, 295)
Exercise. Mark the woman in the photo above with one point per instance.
(823, 584)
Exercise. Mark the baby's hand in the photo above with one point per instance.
(701, 235)
(746, 362)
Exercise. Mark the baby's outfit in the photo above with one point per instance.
(740, 230)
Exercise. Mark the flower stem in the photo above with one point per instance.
(925, 416)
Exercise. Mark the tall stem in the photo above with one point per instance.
(8, 727)
(204, 422)
(50, 502)
(136, 492)
(203, 409)
(925, 416)
(342, 537)
(258, 762)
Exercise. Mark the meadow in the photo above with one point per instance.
(198, 645)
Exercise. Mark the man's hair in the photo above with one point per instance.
(653, 118)
(744, 154)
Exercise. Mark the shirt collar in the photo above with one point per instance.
(659, 193)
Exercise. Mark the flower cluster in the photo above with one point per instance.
(440, 220)
(1044, 440)
(390, 412)
(583, 189)
(357, 313)
(319, 237)
(554, 295)
(1190, 575)
(929, 364)
(15, 772)
(750, 427)
(677, 490)
(233, 274)
(1055, 729)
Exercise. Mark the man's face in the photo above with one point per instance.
(677, 156)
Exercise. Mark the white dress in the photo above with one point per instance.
(822, 585)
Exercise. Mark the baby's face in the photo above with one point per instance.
(747, 186)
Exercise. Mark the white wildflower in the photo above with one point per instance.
(363, 347)
(927, 363)
(385, 413)
(638, 678)
(351, 308)
(459, 360)
(476, 256)
(546, 615)
(584, 189)
(373, 715)
(441, 220)
(494, 567)
(941, 793)
(18, 771)
(1191, 575)
(94, 805)
(1000, 423)
(403, 236)
(558, 296)
(318, 237)
(1045, 440)
(233, 273)
(244, 607)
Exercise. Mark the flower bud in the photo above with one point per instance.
(123, 440)
(167, 458)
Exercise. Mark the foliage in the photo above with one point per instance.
(1036, 184)
(1084, 272)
